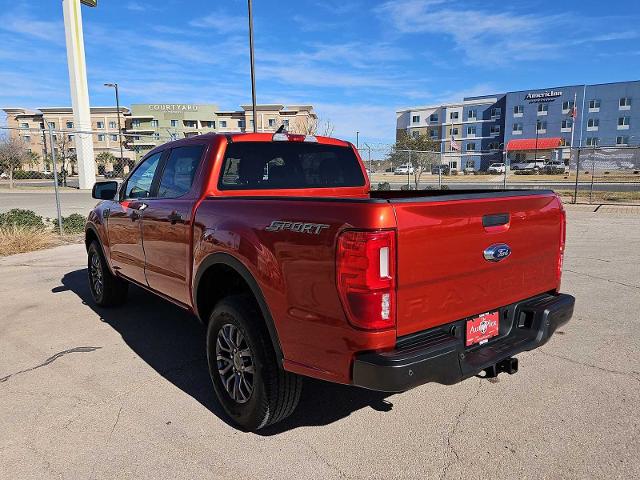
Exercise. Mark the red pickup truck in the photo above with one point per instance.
(277, 243)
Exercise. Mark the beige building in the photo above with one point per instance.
(28, 125)
(153, 124)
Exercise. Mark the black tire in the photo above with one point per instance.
(107, 290)
(274, 393)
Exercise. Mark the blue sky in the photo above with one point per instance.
(356, 61)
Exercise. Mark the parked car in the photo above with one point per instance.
(555, 167)
(469, 171)
(111, 174)
(311, 273)
(496, 168)
(443, 169)
(405, 169)
(537, 165)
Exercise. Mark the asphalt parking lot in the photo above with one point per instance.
(92, 393)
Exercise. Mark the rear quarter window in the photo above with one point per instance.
(288, 165)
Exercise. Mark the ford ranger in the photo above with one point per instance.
(296, 268)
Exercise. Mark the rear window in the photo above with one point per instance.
(267, 165)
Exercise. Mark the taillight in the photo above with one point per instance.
(365, 266)
(563, 239)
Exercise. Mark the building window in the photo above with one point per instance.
(494, 146)
(623, 123)
(566, 125)
(415, 119)
(518, 110)
(517, 128)
(593, 124)
(594, 105)
(567, 105)
(114, 138)
(27, 138)
(471, 131)
(208, 124)
(454, 115)
(543, 108)
(415, 134)
(101, 137)
(285, 123)
(70, 137)
(433, 133)
(69, 124)
(99, 124)
(472, 114)
(471, 164)
(174, 123)
(190, 124)
(241, 124)
(154, 123)
(455, 131)
(471, 147)
(136, 123)
(625, 103)
(622, 140)
(112, 124)
(52, 124)
(592, 141)
(272, 122)
(496, 112)
(541, 126)
(433, 117)
(494, 130)
(223, 124)
(156, 136)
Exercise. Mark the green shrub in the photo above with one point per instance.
(74, 223)
(525, 172)
(18, 217)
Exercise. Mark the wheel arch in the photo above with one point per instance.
(208, 274)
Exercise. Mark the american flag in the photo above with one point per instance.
(574, 112)
(454, 145)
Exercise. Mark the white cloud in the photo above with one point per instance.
(222, 22)
(136, 7)
(51, 31)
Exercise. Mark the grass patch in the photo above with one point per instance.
(601, 197)
(20, 239)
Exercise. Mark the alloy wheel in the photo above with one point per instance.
(235, 363)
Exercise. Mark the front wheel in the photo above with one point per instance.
(252, 388)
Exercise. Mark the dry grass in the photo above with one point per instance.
(15, 239)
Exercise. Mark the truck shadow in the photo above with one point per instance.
(172, 342)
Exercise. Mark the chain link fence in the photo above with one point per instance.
(600, 173)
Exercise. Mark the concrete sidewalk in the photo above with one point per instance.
(124, 393)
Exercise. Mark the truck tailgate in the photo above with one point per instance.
(442, 273)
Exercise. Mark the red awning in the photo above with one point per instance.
(530, 144)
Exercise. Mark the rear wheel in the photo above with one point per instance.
(107, 290)
(250, 385)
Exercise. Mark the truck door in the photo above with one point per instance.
(167, 224)
(124, 225)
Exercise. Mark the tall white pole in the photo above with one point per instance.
(79, 92)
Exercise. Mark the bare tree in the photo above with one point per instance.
(13, 155)
(66, 154)
(420, 152)
(312, 126)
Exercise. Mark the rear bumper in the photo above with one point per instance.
(439, 355)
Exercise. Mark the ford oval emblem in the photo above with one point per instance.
(497, 252)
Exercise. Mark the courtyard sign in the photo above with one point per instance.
(174, 107)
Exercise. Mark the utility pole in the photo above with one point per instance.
(115, 86)
(253, 73)
(79, 90)
(357, 140)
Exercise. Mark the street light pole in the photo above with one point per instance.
(253, 73)
(115, 87)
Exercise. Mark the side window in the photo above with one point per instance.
(179, 171)
(139, 183)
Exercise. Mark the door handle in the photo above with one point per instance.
(174, 217)
(135, 214)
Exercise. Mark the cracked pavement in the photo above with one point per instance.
(88, 393)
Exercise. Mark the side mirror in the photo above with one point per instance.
(104, 190)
